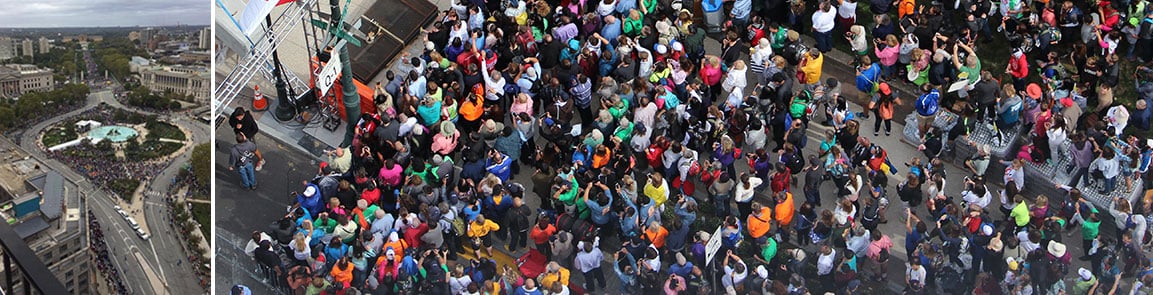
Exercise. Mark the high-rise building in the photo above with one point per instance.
(44, 45)
(187, 80)
(146, 35)
(45, 210)
(7, 48)
(205, 38)
(16, 80)
(26, 48)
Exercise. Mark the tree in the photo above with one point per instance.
(202, 163)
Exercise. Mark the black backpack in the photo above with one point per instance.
(795, 163)
(581, 229)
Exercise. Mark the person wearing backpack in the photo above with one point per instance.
(884, 107)
(242, 158)
(927, 106)
(868, 77)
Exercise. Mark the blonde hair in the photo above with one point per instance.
(892, 40)
(780, 61)
(299, 240)
(739, 65)
(1041, 200)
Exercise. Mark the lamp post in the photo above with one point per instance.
(347, 85)
(285, 108)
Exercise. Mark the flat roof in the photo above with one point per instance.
(52, 206)
(30, 227)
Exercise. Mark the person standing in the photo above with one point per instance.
(517, 219)
(824, 20)
(241, 158)
(243, 122)
(588, 261)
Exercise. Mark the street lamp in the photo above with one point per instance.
(285, 108)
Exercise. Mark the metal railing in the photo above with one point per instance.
(259, 57)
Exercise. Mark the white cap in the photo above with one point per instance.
(310, 191)
(1085, 274)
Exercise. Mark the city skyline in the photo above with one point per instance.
(104, 13)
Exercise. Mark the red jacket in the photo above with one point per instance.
(1019, 66)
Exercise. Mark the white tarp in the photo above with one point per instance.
(253, 16)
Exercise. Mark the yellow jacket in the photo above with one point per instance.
(476, 230)
(547, 279)
(812, 67)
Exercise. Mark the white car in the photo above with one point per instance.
(132, 222)
(142, 234)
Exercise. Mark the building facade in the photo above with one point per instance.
(26, 48)
(205, 37)
(18, 79)
(187, 80)
(46, 212)
(45, 46)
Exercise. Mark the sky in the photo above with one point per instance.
(103, 13)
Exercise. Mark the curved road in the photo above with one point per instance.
(166, 260)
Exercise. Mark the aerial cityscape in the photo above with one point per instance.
(104, 157)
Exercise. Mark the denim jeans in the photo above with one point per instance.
(824, 41)
(247, 175)
(1110, 184)
(721, 202)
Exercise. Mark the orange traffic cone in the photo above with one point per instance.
(258, 102)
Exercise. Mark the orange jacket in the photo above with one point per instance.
(906, 7)
(342, 276)
(471, 111)
(783, 212)
(759, 226)
(658, 237)
(600, 161)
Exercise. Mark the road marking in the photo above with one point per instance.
(159, 265)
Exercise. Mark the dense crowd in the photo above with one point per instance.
(639, 140)
(102, 169)
(104, 264)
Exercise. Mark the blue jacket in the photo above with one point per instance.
(502, 169)
(867, 77)
(312, 204)
(596, 209)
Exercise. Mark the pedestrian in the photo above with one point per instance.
(242, 158)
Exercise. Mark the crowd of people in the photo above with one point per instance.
(639, 140)
(104, 264)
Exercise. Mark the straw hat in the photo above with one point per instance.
(1057, 249)
(447, 128)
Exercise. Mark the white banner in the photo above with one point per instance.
(330, 74)
(254, 13)
(713, 245)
